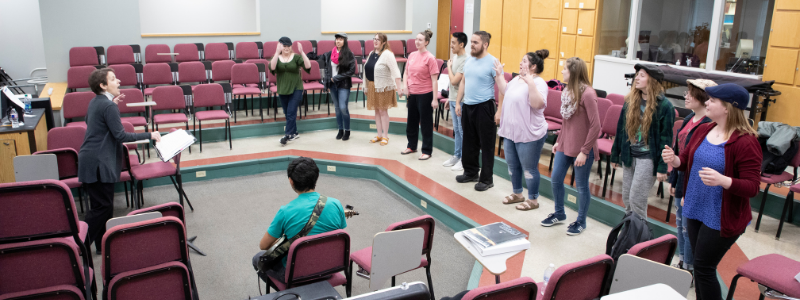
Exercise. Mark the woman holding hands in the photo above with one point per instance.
(722, 167)
(382, 78)
(285, 65)
(422, 74)
(522, 125)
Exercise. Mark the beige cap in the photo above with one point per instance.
(701, 83)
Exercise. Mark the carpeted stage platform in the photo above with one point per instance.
(232, 214)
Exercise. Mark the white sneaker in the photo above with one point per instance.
(450, 162)
(457, 166)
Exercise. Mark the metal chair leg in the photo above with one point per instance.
(669, 207)
(786, 204)
(430, 282)
(733, 286)
(193, 247)
(761, 207)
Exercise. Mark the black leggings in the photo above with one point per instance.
(420, 118)
(709, 248)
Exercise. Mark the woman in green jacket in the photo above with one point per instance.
(644, 128)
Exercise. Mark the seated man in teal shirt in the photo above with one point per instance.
(292, 217)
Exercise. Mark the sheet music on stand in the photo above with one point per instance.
(174, 143)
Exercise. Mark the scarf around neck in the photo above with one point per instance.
(335, 55)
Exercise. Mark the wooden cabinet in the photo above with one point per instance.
(587, 4)
(561, 63)
(797, 72)
(781, 65)
(569, 21)
(543, 34)
(550, 68)
(787, 4)
(584, 48)
(567, 48)
(545, 9)
(589, 71)
(586, 22)
(515, 33)
(785, 32)
(492, 22)
(8, 151)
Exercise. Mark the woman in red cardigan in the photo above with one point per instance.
(722, 166)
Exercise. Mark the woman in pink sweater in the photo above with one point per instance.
(576, 144)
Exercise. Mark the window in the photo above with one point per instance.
(613, 30)
(675, 31)
(744, 36)
(678, 32)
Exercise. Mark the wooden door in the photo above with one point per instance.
(442, 35)
(8, 151)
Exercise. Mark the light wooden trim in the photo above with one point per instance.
(198, 34)
(369, 31)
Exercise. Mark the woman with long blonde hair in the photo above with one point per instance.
(721, 167)
(382, 78)
(577, 143)
(644, 128)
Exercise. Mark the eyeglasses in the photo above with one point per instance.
(376, 40)
(685, 94)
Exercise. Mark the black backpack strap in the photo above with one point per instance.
(613, 235)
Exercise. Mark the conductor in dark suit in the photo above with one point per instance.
(101, 156)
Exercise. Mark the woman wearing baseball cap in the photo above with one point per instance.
(696, 98)
(722, 166)
(286, 65)
(644, 128)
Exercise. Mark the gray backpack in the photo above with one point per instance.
(632, 230)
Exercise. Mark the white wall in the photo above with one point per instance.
(22, 49)
(197, 16)
(368, 12)
(74, 23)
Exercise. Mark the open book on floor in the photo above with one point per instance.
(173, 143)
(497, 238)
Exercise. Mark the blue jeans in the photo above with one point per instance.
(289, 104)
(340, 97)
(523, 160)
(458, 132)
(560, 166)
(684, 247)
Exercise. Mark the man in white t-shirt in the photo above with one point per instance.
(455, 70)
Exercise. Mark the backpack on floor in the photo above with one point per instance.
(632, 230)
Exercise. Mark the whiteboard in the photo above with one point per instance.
(365, 15)
(198, 17)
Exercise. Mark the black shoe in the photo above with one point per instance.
(340, 134)
(346, 135)
(294, 137)
(284, 139)
(480, 186)
(464, 178)
(98, 252)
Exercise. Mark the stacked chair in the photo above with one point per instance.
(29, 245)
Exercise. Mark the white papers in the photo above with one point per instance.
(173, 143)
(797, 277)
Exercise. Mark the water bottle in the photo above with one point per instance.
(547, 273)
(27, 102)
(14, 118)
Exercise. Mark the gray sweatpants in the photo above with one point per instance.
(637, 181)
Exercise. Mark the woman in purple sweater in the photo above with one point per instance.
(576, 144)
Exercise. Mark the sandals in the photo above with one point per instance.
(527, 205)
(424, 157)
(513, 198)
(376, 139)
(385, 141)
(408, 151)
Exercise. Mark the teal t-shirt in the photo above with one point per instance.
(292, 217)
(479, 79)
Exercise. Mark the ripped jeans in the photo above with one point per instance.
(684, 247)
(523, 160)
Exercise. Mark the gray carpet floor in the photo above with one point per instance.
(232, 214)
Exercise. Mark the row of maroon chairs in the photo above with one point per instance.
(586, 279)
(42, 251)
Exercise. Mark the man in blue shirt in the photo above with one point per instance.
(292, 217)
(476, 91)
